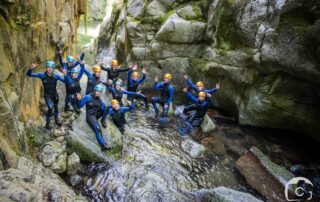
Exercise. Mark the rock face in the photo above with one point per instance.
(31, 31)
(264, 53)
(33, 182)
(97, 9)
(261, 173)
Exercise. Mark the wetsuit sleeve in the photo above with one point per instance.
(171, 92)
(105, 68)
(67, 79)
(81, 71)
(191, 97)
(127, 109)
(111, 89)
(157, 85)
(61, 61)
(76, 63)
(129, 76)
(213, 90)
(89, 74)
(84, 101)
(142, 79)
(39, 75)
(59, 78)
(81, 56)
(204, 104)
(123, 70)
(128, 92)
(194, 87)
(103, 106)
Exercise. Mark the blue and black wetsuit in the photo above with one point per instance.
(95, 109)
(93, 80)
(166, 98)
(66, 66)
(119, 94)
(113, 74)
(51, 96)
(200, 110)
(133, 85)
(118, 116)
(73, 87)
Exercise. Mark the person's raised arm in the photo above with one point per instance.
(89, 74)
(128, 92)
(143, 76)
(59, 78)
(157, 85)
(82, 102)
(36, 75)
(129, 76)
(127, 109)
(189, 82)
(213, 90)
(60, 59)
(81, 70)
(191, 97)
(67, 78)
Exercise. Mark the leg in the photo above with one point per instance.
(189, 108)
(103, 115)
(92, 121)
(164, 114)
(66, 103)
(56, 111)
(155, 100)
(74, 103)
(145, 100)
(49, 104)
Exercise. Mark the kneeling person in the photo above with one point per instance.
(95, 109)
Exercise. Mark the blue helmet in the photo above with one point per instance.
(70, 59)
(118, 83)
(75, 70)
(50, 64)
(98, 88)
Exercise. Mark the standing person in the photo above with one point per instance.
(195, 119)
(93, 78)
(114, 71)
(117, 113)
(117, 92)
(166, 98)
(133, 84)
(73, 86)
(95, 109)
(51, 97)
(71, 63)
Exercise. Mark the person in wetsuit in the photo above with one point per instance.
(70, 63)
(73, 86)
(116, 112)
(114, 71)
(93, 78)
(166, 98)
(133, 84)
(199, 87)
(117, 92)
(51, 97)
(95, 109)
(194, 119)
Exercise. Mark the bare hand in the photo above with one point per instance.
(33, 65)
(60, 52)
(185, 76)
(78, 96)
(166, 106)
(83, 62)
(129, 103)
(217, 86)
(156, 79)
(135, 67)
(208, 95)
(139, 92)
(64, 71)
(110, 82)
(185, 90)
(144, 71)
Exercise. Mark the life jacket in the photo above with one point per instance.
(74, 87)
(165, 93)
(133, 86)
(118, 118)
(118, 95)
(49, 85)
(94, 105)
(201, 110)
(92, 83)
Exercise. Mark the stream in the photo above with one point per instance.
(155, 166)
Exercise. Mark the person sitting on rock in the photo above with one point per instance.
(73, 86)
(133, 84)
(93, 78)
(95, 109)
(117, 113)
(51, 97)
(166, 98)
(195, 119)
(70, 63)
(114, 71)
(117, 92)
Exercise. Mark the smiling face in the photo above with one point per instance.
(49, 70)
(116, 106)
(97, 93)
(201, 98)
(135, 78)
(166, 80)
(74, 75)
(200, 88)
(98, 74)
(118, 88)
(70, 64)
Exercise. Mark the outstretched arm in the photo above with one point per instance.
(128, 92)
(129, 76)
(60, 59)
(59, 78)
(84, 101)
(36, 75)
(81, 70)
(127, 109)
(191, 97)
(142, 79)
(157, 85)
(213, 90)
(123, 70)
(194, 87)
(67, 78)
(89, 74)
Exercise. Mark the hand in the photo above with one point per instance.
(60, 52)
(208, 95)
(217, 86)
(135, 67)
(144, 71)
(156, 79)
(129, 103)
(78, 96)
(64, 61)
(185, 90)
(78, 57)
(102, 80)
(64, 71)
(83, 62)
(139, 92)
(166, 106)
(185, 76)
(33, 65)
(110, 82)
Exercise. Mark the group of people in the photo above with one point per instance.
(96, 109)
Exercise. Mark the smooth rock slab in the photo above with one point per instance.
(207, 124)
(193, 148)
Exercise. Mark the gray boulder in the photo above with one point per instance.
(207, 124)
(73, 164)
(193, 148)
